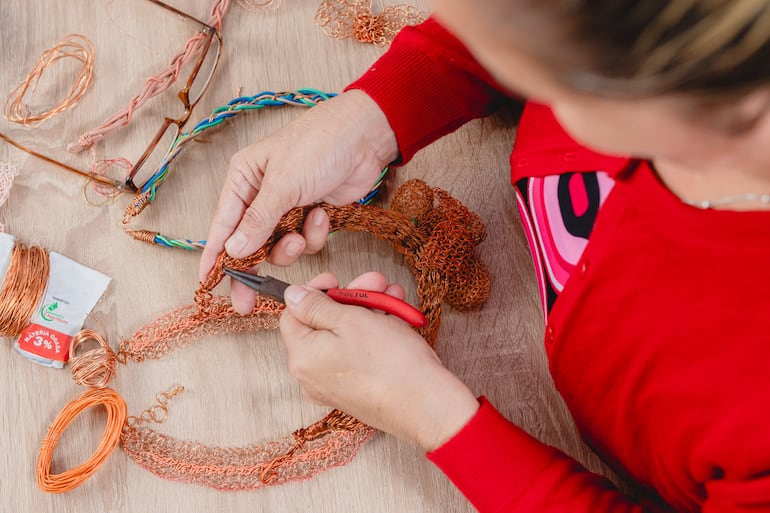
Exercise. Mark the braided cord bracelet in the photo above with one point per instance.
(299, 98)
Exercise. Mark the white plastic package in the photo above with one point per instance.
(71, 293)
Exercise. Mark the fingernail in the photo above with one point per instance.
(318, 217)
(294, 294)
(236, 243)
(293, 248)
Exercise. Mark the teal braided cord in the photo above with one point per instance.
(189, 245)
(298, 98)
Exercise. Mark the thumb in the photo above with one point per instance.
(258, 222)
(313, 308)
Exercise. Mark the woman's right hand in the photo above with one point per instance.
(335, 153)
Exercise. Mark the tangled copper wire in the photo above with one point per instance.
(23, 286)
(94, 368)
(343, 19)
(74, 46)
(100, 168)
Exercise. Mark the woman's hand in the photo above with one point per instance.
(371, 365)
(335, 152)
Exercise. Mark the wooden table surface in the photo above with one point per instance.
(238, 390)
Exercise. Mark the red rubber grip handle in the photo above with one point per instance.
(379, 301)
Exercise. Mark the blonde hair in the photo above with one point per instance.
(717, 48)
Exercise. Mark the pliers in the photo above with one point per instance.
(275, 288)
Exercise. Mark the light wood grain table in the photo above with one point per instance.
(238, 390)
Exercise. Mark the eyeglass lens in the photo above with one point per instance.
(146, 169)
(206, 71)
(197, 83)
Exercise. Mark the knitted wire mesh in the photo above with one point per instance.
(437, 236)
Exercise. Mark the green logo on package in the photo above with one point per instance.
(48, 313)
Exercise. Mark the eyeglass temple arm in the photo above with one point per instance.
(120, 186)
(176, 11)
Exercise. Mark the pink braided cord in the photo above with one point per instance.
(154, 85)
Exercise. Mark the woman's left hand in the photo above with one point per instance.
(372, 366)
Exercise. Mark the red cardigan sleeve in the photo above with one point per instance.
(428, 85)
(501, 468)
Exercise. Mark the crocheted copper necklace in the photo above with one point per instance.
(437, 236)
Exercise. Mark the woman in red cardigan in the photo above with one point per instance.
(643, 177)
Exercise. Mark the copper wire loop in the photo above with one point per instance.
(94, 368)
(71, 479)
(75, 46)
(157, 413)
(23, 286)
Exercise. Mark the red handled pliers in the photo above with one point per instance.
(275, 288)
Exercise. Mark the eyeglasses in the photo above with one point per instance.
(147, 166)
(190, 95)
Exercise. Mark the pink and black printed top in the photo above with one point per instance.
(558, 211)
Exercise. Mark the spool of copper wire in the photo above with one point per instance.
(71, 479)
(23, 286)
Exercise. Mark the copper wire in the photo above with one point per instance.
(100, 168)
(94, 368)
(24, 285)
(71, 479)
(142, 235)
(157, 413)
(75, 46)
(139, 203)
(342, 19)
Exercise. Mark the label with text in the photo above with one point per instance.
(45, 342)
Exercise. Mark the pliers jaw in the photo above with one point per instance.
(265, 285)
